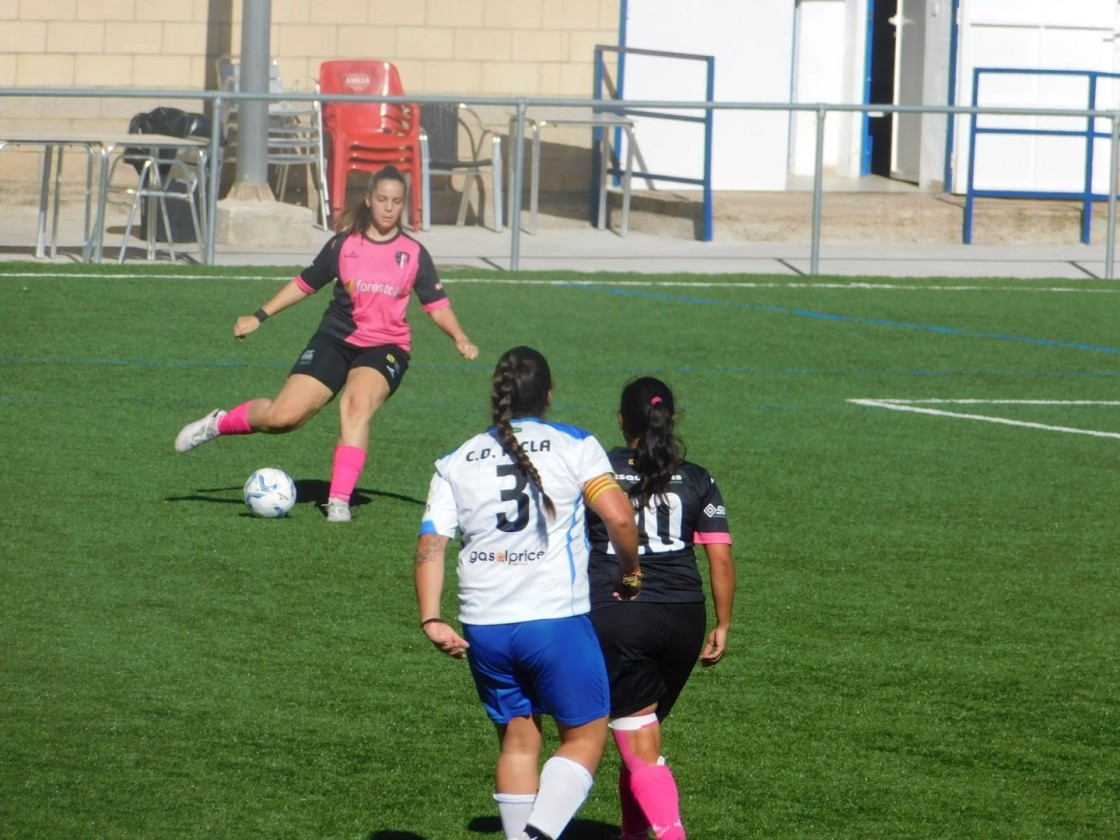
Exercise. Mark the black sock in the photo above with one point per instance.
(536, 833)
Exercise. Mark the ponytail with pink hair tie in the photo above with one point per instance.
(655, 401)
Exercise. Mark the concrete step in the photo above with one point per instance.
(857, 217)
(848, 217)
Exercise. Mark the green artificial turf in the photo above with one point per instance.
(926, 628)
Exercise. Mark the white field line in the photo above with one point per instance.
(754, 284)
(694, 284)
(915, 407)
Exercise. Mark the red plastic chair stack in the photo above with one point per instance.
(367, 136)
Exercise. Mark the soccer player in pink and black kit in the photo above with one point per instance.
(651, 645)
(362, 345)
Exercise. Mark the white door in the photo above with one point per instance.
(1041, 35)
(830, 66)
(909, 63)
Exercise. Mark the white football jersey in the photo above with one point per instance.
(516, 563)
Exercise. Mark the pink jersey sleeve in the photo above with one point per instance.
(715, 538)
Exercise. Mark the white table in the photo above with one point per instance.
(568, 117)
(100, 148)
(52, 143)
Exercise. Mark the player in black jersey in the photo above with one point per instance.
(651, 644)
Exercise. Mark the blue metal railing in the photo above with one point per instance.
(1089, 134)
(617, 93)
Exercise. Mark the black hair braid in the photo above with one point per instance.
(648, 421)
(503, 402)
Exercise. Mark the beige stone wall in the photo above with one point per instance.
(456, 47)
(491, 47)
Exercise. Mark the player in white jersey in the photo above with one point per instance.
(517, 495)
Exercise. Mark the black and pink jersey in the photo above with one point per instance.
(375, 280)
(689, 513)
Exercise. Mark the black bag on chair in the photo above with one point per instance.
(176, 123)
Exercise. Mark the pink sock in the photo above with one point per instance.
(236, 421)
(635, 826)
(656, 791)
(348, 463)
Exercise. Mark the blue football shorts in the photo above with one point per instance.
(552, 666)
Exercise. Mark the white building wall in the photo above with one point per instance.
(752, 41)
(766, 51)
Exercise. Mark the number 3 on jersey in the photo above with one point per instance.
(516, 493)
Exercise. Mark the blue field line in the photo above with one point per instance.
(154, 363)
(827, 316)
(622, 370)
(219, 363)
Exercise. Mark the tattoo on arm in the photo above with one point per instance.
(429, 548)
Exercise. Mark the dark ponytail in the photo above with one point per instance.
(520, 388)
(647, 412)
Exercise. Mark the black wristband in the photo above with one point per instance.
(261, 315)
(428, 621)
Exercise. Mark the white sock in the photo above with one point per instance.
(564, 787)
(514, 809)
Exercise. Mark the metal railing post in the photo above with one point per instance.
(213, 178)
(517, 159)
(709, 130)
(252, 114)
(1110, 238)
(818, 189)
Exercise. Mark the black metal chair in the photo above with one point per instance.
(442, 125)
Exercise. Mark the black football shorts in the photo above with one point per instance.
(650, 650)
(330, 360)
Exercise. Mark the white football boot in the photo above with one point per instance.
(199, 432)
(337, 510)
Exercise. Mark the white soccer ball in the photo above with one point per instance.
(270, 492)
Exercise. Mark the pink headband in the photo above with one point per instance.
(655, 401)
